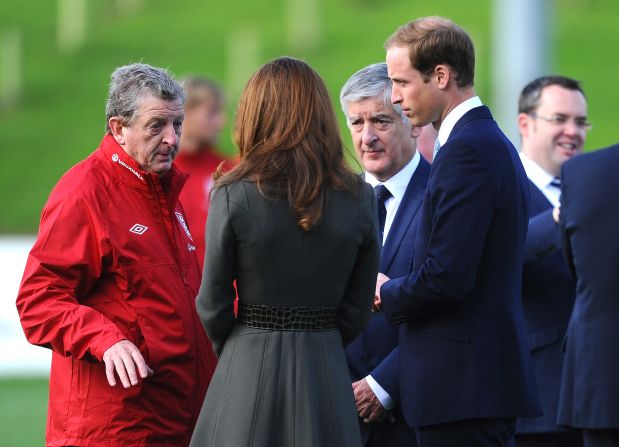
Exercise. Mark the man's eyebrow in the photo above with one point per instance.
(382, 115)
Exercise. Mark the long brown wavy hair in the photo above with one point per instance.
(288, 139)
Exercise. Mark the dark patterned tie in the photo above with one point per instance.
(382, 194)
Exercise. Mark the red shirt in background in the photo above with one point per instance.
(195, 194)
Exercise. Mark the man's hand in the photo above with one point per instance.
(369, 407)
(380, 280)
(556, 214)
(123, 357)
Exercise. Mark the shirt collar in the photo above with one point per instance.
(452, 117)
(397, 183)
(535, 172)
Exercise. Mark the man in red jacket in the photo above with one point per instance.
(110, 283)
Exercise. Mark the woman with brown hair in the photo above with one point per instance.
(297, 230)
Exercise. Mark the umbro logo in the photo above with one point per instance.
(138, 229)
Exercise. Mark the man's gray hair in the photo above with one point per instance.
(130, 83)
(371, 82)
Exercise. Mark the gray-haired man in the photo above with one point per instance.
(385, 142)
(110, 283)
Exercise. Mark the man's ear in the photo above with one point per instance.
(117, 129)
(443, 75)
(524, 124)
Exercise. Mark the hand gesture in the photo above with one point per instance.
(368, 406)
(124, 357)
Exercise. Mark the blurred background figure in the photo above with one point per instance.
(589, 398)
(198, 154)
(553, 125)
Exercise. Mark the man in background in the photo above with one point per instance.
(553, 125)
(110, 283)
(198, 154)
(385, 143)
(589, 396)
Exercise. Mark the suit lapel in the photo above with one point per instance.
(539, 202)
(406, 212)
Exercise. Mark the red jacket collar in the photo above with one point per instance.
(129, 171)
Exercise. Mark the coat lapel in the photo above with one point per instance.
(406, 212)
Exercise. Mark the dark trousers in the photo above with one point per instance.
(468, 433)
(601, 438)
(572, 438)
(388, 434)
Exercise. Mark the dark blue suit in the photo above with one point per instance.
(548, 292)
(463, 352)
(375, 351)
(590, 223)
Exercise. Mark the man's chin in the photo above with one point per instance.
(162, 168)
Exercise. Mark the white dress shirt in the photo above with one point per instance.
(541, 179)
(396, 185)
(452, 117)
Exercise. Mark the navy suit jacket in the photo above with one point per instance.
(590, 223)
(463, 351)
(548, 292)
(375, 350)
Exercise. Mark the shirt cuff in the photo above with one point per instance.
(380, 393)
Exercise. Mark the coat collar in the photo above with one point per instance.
(128, 171)
(481, 112)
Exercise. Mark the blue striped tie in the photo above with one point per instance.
(437, 146)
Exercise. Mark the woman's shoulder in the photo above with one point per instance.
(361, 197)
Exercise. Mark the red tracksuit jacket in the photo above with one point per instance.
(114, 259)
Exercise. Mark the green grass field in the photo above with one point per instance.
(59, 119)
(23, 409)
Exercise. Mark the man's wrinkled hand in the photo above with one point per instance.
(368, 406)
(125, 359)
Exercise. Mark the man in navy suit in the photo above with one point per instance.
(589, 396)
(385, 143)
(465, 369)
(553, 125)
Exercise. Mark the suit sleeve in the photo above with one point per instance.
(543, 237)
(355, 311)
(215, 301)
(63, 266)
(462, 204)
(387, 374)
(564, 222)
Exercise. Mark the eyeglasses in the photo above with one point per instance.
(562, 120)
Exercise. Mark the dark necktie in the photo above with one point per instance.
(556, 182)
(382, 194)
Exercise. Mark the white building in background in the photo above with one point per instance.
(19, 358)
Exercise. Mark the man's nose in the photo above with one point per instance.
(571, 128)
(368, 135)
(170, 135)
(396, 96)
